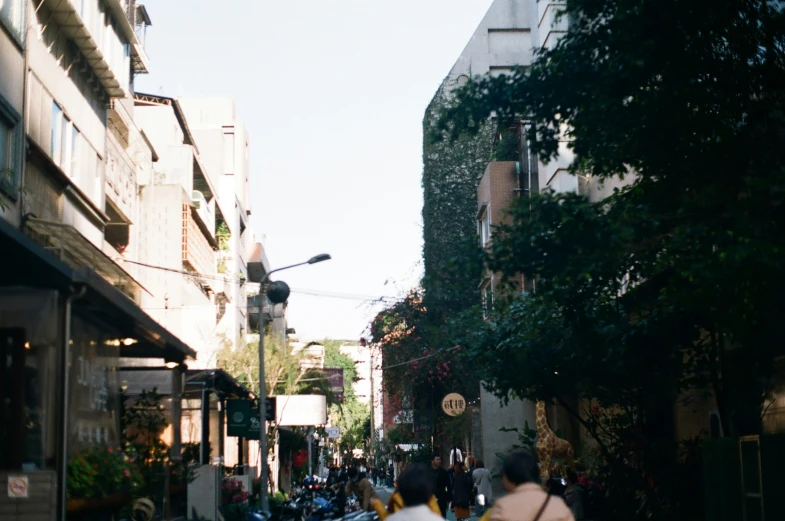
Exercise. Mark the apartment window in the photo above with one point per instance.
(76, 144)
(94, 168)
(8, 141)
(66, 146)
(485, 226)
(12, 16)
(56, 149)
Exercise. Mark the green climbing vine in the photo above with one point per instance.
(451, 173)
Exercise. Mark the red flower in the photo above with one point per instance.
(127, 473)
(110, 450)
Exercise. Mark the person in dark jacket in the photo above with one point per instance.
(442, 488)
(462, 492)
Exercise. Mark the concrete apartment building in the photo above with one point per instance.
(476, 192)
(179, 210)
(224, 143)
(361, 356)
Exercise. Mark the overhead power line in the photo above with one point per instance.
(233, 280)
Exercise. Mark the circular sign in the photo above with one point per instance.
(453, 404)
(238, 417)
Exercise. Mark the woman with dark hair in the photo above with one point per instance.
(461, 492)
(482, 482)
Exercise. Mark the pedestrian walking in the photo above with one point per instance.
(362, 488)
(526, 500)
(462, 492)
(415, 486)
(441, 486)
(482, 484)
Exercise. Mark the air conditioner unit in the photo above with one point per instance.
(198, 198)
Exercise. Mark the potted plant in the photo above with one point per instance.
(234, 501)
(101, 480)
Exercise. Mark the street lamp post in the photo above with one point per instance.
(263, 500)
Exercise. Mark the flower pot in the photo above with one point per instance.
(96, 509)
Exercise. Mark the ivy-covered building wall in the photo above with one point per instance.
(451, 172)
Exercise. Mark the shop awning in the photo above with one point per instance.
(68, 245)
(24, 262)
(138, 379)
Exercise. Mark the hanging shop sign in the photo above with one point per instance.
(335, 381)
(238, 413)
(453, 404)
(242, 417)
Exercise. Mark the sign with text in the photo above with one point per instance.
(238, 414)
(94, 389)
(333, 432)
(242, 417)
(335, 382)
(453, 404)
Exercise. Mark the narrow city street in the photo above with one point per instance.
(526, 255)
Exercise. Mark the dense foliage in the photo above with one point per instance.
(144, 423)
(421, 348)
(451, 171)
(352, 416)
(675, 282)
(99, 471)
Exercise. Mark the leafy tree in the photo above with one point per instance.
(282, 371)
(673, 283)
(352, 417)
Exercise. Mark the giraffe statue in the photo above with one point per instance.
(549, 446)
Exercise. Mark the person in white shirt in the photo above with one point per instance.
(415, 484)
(456, 456)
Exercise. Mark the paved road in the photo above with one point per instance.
(384, 493)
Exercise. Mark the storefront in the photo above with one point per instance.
(64, 334)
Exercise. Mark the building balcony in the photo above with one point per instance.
(65, 13)
(258, 265)
(198, 245)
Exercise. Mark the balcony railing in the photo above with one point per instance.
(198, 253)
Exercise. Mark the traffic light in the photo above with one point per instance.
(270, 408)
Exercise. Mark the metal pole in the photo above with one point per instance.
(263, 501)
(373, 412)
(204, 449)
(62, 428)
(310, 455)
(263, 504)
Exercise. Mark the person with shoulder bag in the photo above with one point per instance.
(482, 485)
(526, 500)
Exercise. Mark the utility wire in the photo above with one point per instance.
(326, 294)
(421, 358)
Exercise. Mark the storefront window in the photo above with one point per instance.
(93, 414)
(28, 379)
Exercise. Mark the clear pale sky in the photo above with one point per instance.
(333, 94)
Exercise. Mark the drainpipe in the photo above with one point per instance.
(62, 426)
